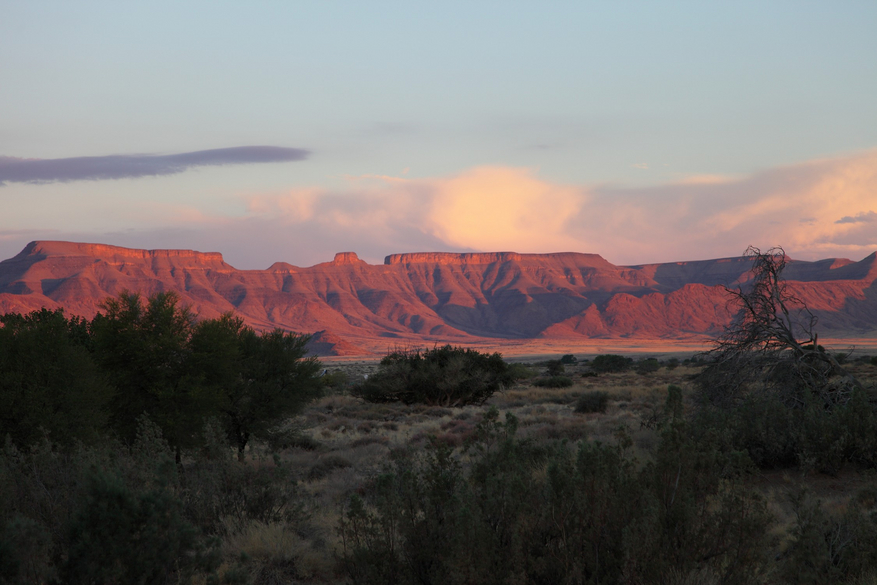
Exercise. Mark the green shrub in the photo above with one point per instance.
(606, 363)
(555, 367)
(520, 512)
(122, 537)
(595, 401)
(874, 360)
(568, 359)
(647, 366)
(443, 376)
(335, 380)
(519, 371)
(553, 382)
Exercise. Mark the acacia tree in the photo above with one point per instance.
(257, 380)
(143, 345)
(49, 383)
(772, 345)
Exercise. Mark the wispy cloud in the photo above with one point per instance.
(99, 168)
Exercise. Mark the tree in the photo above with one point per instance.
(258, 381)
(144, 348)
(772, 345)
(49, 383)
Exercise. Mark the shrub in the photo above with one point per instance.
(335, 380)
(595, 401)
(443, 376)
(555, 367)
(568, 359)
(553, 382)
(647, 366)
(122, 537)
(520, 371)
(610, 363)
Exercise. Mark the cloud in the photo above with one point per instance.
(99, 168)
(498, 208)
(862, 216)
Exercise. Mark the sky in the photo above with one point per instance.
(288, 131)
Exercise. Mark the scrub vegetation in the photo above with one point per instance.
(145, 447)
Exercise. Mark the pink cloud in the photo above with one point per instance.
(816, 209)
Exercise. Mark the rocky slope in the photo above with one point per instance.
(437, 297)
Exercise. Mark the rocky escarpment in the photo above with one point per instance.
(437, 297)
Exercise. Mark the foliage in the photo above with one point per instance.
(118, 536)
(519, 371)
(521, 512)
(443, 376)
(593, 401)
(555, 368)
(257, 381)
(144, 348)
(181, 373)
(568, 359)
(829, 546)
(771, 346)
(813, 437)
(606, 363)
(49, 385)
(647, 366)
(553, 382)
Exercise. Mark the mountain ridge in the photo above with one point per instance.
(438, 297)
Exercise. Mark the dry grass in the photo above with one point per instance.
(354, 439)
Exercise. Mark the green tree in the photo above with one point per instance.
(258, 381)
(48, 381)
(144, 348)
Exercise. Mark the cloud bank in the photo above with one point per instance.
(815, 210)
(818, 209)
(99, 168)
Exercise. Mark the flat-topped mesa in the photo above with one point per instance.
(50, 248)
(451, 258)
(344, 258)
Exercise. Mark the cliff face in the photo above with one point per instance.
(437, 297)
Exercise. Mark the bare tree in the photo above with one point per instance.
(772, 345)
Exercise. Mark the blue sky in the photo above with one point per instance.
(642, 131)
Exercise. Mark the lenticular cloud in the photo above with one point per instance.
(99, 168)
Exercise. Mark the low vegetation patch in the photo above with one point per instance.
(606, 363)
(594, 401)
(443, 376)
(553, 382)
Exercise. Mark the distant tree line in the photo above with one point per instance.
(73, 380)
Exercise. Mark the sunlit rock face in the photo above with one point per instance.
(427, 298)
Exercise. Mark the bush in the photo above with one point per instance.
(647, 366)
(520, 371)
(568, 359)
(595, 401)
(520, 512)
(122, 537)
(610, 363)
(555, 367)
(443, 376)
(553, 382)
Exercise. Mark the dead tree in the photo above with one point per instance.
(772, 346)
